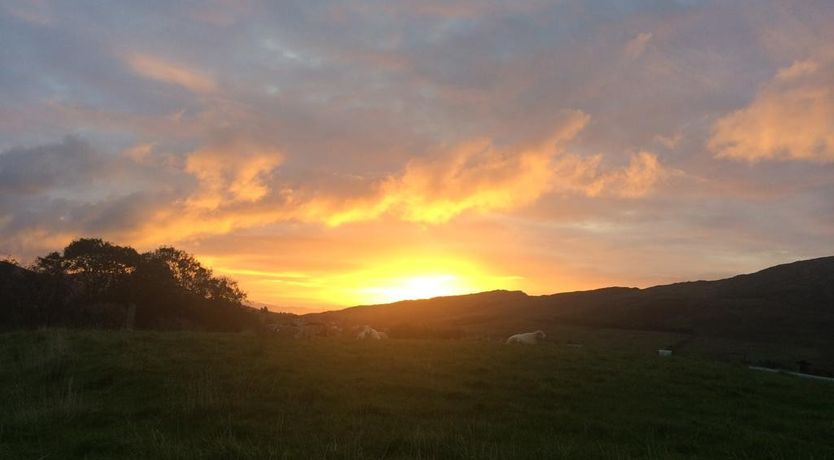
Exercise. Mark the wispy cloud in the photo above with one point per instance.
(233, 173)
(637, 45)
(174, 73)
(791, 118)
(36, 12)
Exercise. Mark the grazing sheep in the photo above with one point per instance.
(368, 332)
(527, 338)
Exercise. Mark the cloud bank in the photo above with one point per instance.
(559, 144)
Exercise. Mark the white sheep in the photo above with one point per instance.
(368, 332)
(527, 338)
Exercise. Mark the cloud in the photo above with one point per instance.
(36, 12)
(791, 118)
(230, 174)
(53, 192)
(474, 175)
(643, 173)
(478, 176)
(237, 188)
(586, 175)
(670, 142)
(35, 170)
(140, 153)
(797, 70)
(220, 13)
(145, 196)
(637, 45)
(159, 69)
(219, 189)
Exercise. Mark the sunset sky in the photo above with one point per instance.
(328, 154)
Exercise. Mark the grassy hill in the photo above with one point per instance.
(192, 395)
(787, 309)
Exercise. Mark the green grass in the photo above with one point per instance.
(148, 395)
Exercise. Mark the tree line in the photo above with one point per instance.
(95, 283)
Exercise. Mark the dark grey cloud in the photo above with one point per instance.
(70, 187)
(37, 169)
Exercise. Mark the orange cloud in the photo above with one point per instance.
(159, 69)
(643, 172)
(481, 177)
(476, 176)
(637, 45)
(791, 118)
(232, 174)
(587, 176)
(797, 70)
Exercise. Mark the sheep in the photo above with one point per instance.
(527, 338)
(368, 332)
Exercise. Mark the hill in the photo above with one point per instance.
(790, 305)
(186, 395)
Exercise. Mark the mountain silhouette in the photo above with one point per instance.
(790, 303)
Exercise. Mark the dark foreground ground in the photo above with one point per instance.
(149, 395)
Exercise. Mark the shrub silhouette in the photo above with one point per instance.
(95, 283)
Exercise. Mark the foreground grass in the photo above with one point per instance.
(185, 396)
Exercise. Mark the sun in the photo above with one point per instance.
(417, 287)
(414, 277)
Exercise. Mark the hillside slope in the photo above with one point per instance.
(790, 303)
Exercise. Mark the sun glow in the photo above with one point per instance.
(381, 281)
(415, 277)
(417, 287)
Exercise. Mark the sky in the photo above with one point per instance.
(327, 154)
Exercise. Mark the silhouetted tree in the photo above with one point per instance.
(9, 260)
(54, 286)
(97, 283)
(94, 255)
(189, 274)
(51, 264)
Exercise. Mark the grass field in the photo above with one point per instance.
(152, 395)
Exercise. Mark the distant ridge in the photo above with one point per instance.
(788, 303)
